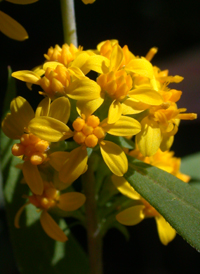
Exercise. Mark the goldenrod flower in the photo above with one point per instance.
(119, 85)
(11, 27)
(64, 55)
(51, 198)
(61, 81)
(135, 214)
(31, 148)
(88, 132)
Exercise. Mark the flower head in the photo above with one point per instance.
(51, 198)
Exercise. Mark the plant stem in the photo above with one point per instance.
(69, 21)
(94, 237)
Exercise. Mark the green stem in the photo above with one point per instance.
(69, 21)
(94, 237)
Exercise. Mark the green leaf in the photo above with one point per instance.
(176, 201)
(34, 251)
(190, 165)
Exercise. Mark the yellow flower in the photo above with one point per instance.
(135, 214)
(11, 27)
(61, 81)
(88, 133)
(31, 148)
(51, 198)
(64, 55)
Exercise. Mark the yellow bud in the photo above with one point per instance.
(87, 130)
(78, 124)
(93, 121)
(99, 132)
(91, 140)
(18, 149)
(79, 137)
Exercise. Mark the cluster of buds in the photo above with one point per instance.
(129, 98)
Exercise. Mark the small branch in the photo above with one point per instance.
(69, 22)
(94, 237)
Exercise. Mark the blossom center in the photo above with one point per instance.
(88, 131)
(116, 84)
(48, 199)
(55, 81)
(31, 148)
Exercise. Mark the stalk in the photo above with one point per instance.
(93, 235)
(69, 22)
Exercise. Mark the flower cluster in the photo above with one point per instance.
(79, 116)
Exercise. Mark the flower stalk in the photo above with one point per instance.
(93, 235)
(69, 22)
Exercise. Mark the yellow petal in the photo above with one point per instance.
(33, 178)
(27, 76)
(131, 106)
(22, 2)
(124, 187)
(71, 201)
(165, 232)
(115, 111)
(21, 107)
(60, 109)
(57, 159)
(97, 63)
(74, 165)
(49, 129)
(147, 96)
(43, 107)
(116, 58)
(76, 72)
(11, 127)
(89, 107)
(125, 126)
(141, 67)
(12, 28)
(84, 90)
(21, 113)
(18, 214)
(114, 157)
(80, 64)
(51, 227)
(131, 216)
(149, 139)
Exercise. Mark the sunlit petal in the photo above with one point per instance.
(49, 129)
(115, 111)
(60, 109)
(165, 231)
(149, 139)
(116, 58)
(43, 107)
(125, 126)
(74, 165)
(114, 157)
(124, 187)
(147, 96)
(141, 67)
(27, 76)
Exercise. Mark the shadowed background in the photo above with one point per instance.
(173, 27)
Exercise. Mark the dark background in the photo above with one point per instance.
(173, 27)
